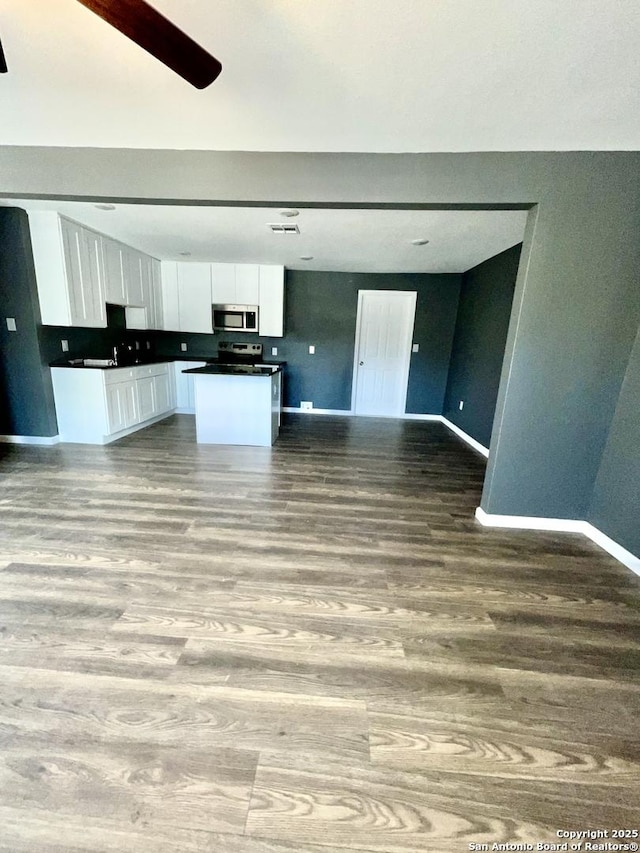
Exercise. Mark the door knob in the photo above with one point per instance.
(361, 363)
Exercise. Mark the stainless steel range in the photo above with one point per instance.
(241, 358)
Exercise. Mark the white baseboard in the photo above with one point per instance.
(408, 416)
(292, 409)
(611, 547)
(562, 525)
(46, 440)
(465, 437)
(349, 414)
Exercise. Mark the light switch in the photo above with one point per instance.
(11, 324)
(274, 350)
(183, 347)
(65, 346)
(312, 350)
(415, 348)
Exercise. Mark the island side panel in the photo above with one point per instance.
(233, 409)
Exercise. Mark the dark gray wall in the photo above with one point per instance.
(322, 309)
(615, 507)
(576, 310)
(486, 299)
(26, 394)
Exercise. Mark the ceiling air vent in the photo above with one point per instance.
(284, 228)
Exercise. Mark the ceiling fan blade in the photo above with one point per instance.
(141, 23)
(3, 61)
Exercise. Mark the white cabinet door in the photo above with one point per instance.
(194, 297)
(147, 397)
(162, 392)
(184, 385)
(247, 284)
(48, 246)
(115, 412)
(148, 295)
(122, 405)
(141, 316)
(170, 304)
(93, 280)
(223, 284)
(83, 264)
(133, 276)
(156, 287)
(129, 398)
(271, 304)
(114, 283)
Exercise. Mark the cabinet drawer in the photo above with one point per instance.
(151, 370)
(121, 374)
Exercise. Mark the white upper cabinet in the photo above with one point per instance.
(223, 284)
(194, 297)
(247, 284)
(235, 284)
(114, 279)
(271, 301)
(170, 307)
(186, 297)
(93, 310)
(141, 313)
(69, 271)
(132, 264)
(156, 286)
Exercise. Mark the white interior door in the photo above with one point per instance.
(384, 330)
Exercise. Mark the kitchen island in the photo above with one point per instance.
(237, 405)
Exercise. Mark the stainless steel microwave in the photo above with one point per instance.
(235, 318)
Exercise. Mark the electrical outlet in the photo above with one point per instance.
(306, 405)
(183, 347)
(65, 346)
(461, 405)
(148, 344)
(415, 348)
(312, 350)
(11, 324)
(137, 345)
(274, 350)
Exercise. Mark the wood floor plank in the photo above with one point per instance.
(501, 747)
(72, 707)
(157, 786)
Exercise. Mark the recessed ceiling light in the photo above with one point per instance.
(185, 254)
(289, 212)
(306, 257)
(105, 206)
(421, 241)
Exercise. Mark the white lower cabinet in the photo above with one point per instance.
(185, 397)
(146, 397)
(97, 406)
(122, 405)
(163, 386)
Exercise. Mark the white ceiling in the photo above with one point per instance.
(347, 240)
(332, 75)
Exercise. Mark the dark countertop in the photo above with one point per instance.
(210, 360)
(231, 370)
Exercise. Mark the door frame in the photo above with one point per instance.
(407, 362)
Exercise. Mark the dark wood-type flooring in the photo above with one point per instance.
(304, 649)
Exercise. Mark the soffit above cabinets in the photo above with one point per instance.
(341, 240)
